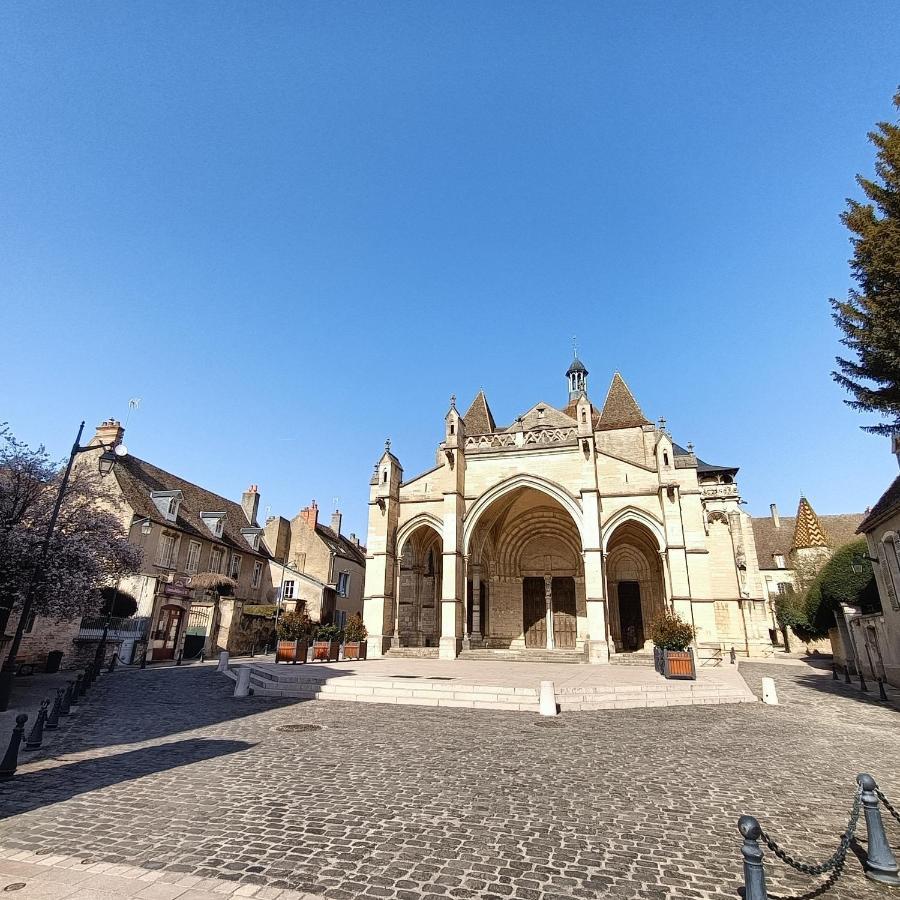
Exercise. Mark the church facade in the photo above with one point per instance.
(565, 532)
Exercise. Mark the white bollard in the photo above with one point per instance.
(242, 685)
(223, 662)
(768, 689)
(548, 699)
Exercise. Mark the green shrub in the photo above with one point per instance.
(355, 630)
(294, 626)
(670, 632)
(265, 610)
(328, 633)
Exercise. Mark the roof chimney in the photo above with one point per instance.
(110, 431)
(336, 522)
(775, 517)
(250, 503)
(310, 515)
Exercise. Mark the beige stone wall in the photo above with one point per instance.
(884, 544)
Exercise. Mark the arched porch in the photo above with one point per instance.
(418, 612)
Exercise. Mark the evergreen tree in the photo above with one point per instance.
(870, 316)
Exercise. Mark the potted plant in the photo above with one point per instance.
(293, 637)
(327, 645)
(672, 637)
(355, 635)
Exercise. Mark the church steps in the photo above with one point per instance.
(530, 656)
(412, 653)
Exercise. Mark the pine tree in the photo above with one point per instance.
(870, 316)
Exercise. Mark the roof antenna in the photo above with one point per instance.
(133, 404)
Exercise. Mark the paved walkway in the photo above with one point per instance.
(165, 772)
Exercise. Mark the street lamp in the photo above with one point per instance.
(111, 452)
(856, 563)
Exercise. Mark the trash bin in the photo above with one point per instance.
(54, 658)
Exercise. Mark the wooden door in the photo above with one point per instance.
(564, 620)
(169, 626)
(631, 620)
(534, 612)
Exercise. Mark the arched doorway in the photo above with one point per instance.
(525, 552)
(419, 609)
(635, 585)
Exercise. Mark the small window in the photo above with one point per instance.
(167, 550)
(343, 584)
(665, 457)
(235, 569)
(779, 561)
(216, 560)
(584, 417)
(257, 574)
(384, 477)
(785, 587)
(192, 567)
(29, 622)
(288, 591)
(452, 429)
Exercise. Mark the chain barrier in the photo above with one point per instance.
(887, 804)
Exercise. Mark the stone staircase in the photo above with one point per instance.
(412, 653)
(531, 656)
(409, 690)
(638, 658)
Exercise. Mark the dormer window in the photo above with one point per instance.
(540, 411)
(779, 561)
(167, 502)
(252, 536)
(214, 521)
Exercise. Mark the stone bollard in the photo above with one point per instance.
(732, 656)
(112, 662)
(768, 692)
(11, 758)
(882, 695)
(548, 699)
(53, 718)
(242, 685)
(65, 706)
(754, 873)
(881, 866)
(36, 735)
(847, 679)
(223, 662)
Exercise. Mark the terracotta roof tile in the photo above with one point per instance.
(479, 419)
(620, 409)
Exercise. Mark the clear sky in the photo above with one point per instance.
(293, 229)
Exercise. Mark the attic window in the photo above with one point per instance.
(251, 535)
(665, 457)
(214, 521)
(540, 411)
(584, 417)
(167, 502)
(384, 477)
(452, 432)
(779, 561)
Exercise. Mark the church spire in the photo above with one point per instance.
(577, 375)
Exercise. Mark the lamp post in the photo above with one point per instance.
(856, 563)
(105, 465)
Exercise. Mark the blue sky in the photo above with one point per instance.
(293, 229)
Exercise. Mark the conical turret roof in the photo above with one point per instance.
(620, 409)
(479, 419)
(577, 366)
(808, 530)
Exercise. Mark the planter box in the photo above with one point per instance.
(326, 651)
(355, 649)
(675, 663)
(291, 651)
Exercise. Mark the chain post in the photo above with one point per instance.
(754, 873)
(36, 735)
(834, 672)
(65, 706)
(881, 865)
(112, 662)
(882, 695)
(847, 679)
(53, 719)
(11, 758)
(862, 681)
(75, 697)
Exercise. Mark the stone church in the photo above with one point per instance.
(564, 533)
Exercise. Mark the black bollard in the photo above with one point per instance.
(112, 662)
(65, 706)
(733, 656)
(53, 719)
(882, 695)
(202, 656)
(847, 674)
(11, 759)
(862, 682)
(36, 735)
(834, 672)
(88, 679)
(144, 655)
(178, 658)
(881, 866)
(75, 699)
(754, 873)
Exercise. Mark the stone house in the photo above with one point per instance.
(317, 564)
(874, 640)
(792, 549)
(562, 534)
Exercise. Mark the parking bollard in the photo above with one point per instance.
(754, 873)
(732, 656)
(223, 662)
(847, 679)
(53, 719)
(66, 705)
(75, 698)
(112, 662)
(882, 695)
(242, 683)
(881, 865)
(11, 758)
(862, 682)
(834, 672)
(36, 735)
(178, 658)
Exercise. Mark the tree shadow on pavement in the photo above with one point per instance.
(32, 790)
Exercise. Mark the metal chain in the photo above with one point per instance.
(887, 805)
(836, 859)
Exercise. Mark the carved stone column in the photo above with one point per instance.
(395, 637)
(548, 599)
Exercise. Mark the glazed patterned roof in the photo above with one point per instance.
(772, 540)
(808, 531)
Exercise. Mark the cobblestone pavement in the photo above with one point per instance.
(166, 772)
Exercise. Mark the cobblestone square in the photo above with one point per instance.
(164, 785)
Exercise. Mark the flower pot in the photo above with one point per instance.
(291, 651)
(326, 651)
(355, 649)
(675, 663)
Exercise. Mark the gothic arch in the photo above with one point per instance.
(406, 530)
(633, 514)
(516, 482)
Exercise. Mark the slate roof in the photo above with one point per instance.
(341, 545)
(577, 366)
(479, 419)
(620, 409)
(888, 503)
(137, 478)
(839, 530)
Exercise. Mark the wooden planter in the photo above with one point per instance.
(326, 651)
(291, 651)
(675, 663)
(355, 649)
